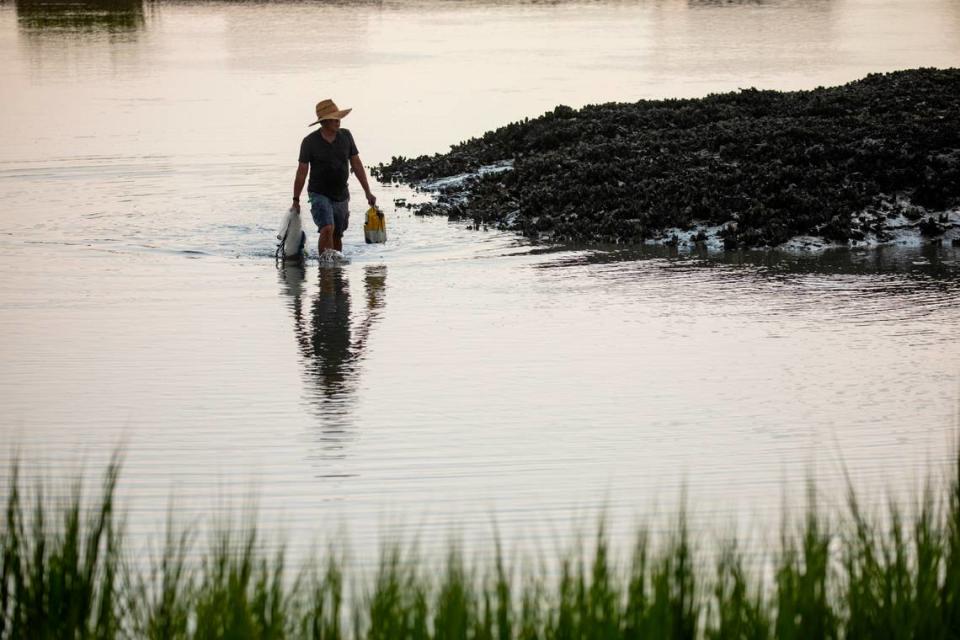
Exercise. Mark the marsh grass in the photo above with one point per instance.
(65, 573)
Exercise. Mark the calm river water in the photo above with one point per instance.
(451, 378)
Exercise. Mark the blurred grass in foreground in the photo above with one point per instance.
(65, 573)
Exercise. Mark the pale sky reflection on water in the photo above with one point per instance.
(424, 75)
(144, 169)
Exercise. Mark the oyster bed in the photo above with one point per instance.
(872, 161)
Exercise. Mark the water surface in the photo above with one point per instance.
(452, 377)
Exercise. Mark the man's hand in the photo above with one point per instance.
(298, 183)
(361, 174)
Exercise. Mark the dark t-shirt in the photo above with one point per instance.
(329, 163)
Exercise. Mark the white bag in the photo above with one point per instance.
(291, 238)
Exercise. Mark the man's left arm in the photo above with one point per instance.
(361, 174)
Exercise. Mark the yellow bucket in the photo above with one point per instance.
(375, 226)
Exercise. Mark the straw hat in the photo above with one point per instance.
(327, 110)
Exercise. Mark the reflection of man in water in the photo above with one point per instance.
(326, 345)
(330, 346)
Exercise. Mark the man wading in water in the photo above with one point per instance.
(329, 153)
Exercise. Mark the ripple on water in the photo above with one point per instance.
(487, 378)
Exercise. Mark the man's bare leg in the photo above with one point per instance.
(326, 238)
(338, 242)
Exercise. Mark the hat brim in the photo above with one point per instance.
(335, 115)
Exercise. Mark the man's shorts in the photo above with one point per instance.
(325, 211)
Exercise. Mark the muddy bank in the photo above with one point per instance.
(866, 162)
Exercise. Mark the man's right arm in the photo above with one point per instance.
(298, 183)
